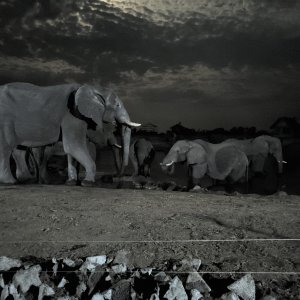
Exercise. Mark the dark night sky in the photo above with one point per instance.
(207, 63)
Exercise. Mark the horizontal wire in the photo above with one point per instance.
(154, 241)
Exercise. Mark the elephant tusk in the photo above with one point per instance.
(132, 124)
(118, 146)
(170, 164)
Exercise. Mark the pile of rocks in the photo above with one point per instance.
(105, 278)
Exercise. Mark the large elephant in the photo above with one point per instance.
(258, 149)
(265, 162)
(141, 154)
(33, 116)
(217, 161)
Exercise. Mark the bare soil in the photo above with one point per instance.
(154, 226)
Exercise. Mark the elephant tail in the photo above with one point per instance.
(29, 158)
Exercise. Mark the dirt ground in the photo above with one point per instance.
(154, 226)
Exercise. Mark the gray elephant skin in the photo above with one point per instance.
(265, 162)
(258, 149)
(202, 158)
(141, 154)
(33, 116)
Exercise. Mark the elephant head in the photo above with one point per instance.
(271, 145)
(102, 106)
(182, 151)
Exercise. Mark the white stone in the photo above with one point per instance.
(121, 268)
(230, 296)
(244, 287)
(80, 289)
(98, 296)
(24, 279)
(92, 262)
(107, 294)
(62, 283)
(69, 262)
(146, 271)
(194, 280)
(196, 295)
(45, 290)
(176, 290)
(7, 263)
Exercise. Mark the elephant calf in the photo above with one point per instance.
(141, 155)
(217, 161)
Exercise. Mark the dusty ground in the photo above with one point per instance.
(154, 226)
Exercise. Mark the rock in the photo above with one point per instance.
(244, 287)
(98, 296)
(162, 277)
(5, 292)
(2, 284)
(176, 290)
(198, 189)
(121, 290)
(195, 281)
(95, 277)
(62, 283)
(196, 295)
(7, 263)
(81, 288)
(69, 262)
(45, 290)
(107, 294)
(24, 279)
(55, 267)
(146, 271)
(192, 264)
(92, 262)
(269, 297)
(121, 268)
(230, 296)
(121, 257)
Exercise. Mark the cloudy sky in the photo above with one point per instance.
(206, 63)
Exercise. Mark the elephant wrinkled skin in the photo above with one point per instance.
(32, 116)
(216, 160)
(141, 155)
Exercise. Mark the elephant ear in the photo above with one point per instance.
(196, 155)
(90, 104)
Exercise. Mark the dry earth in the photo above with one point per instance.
(154, 226)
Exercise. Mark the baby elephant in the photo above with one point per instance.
(141, 155)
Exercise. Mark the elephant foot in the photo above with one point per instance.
(88, 183)
(71, 182)
(198, 189)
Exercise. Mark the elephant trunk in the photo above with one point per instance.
(126, 134)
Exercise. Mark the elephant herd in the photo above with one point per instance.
(68, 120)
(232, 160)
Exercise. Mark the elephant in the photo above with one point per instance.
(33, 116)
(257, 151)
(53, 158)
(265, 162)
(202, 158)
(141, 154)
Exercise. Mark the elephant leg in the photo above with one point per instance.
(197, 172)
(74, 141)
(72, 171)
(134, 163)
(22, 172)
(147, 170)
(6, 150)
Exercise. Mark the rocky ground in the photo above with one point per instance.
(231, 234)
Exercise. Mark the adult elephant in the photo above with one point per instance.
(258, 149)
(265, 162)
(141, 154)
(32, 116)
(217, 161)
